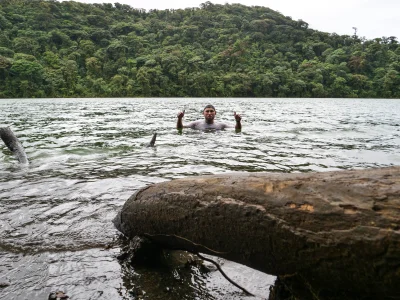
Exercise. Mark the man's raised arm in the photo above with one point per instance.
(238, 119)
(179, 124)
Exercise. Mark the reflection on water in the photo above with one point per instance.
(87, 156)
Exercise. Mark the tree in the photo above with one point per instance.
(149, 80)
(69, 70)
(26, 45)
(93, 66)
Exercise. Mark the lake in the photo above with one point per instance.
(88, 156)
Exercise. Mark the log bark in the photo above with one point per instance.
(336, 232)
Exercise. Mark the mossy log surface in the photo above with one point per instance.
(337, 231)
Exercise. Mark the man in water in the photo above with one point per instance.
(209, 113)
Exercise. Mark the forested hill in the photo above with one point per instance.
(71, 49)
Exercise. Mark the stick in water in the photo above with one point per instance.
(223, 274)
(153, 140)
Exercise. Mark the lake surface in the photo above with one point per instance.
(87, 156)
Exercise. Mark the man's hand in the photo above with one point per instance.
(237, 117)
(181, 114)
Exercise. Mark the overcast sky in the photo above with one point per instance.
(372, 18)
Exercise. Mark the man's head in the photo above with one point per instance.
(209, 106)
(209, 113)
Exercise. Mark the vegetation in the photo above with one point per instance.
(71, 49)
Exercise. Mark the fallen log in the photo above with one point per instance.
(13, 144)
(338, 233)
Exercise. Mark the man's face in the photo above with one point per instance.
(209, 114)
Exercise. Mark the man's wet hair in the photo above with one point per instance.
(209, 106)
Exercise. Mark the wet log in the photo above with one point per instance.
(12, 143)
(338, 233)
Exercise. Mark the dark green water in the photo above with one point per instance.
(87, 156)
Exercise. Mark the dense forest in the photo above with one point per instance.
(72, 49)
